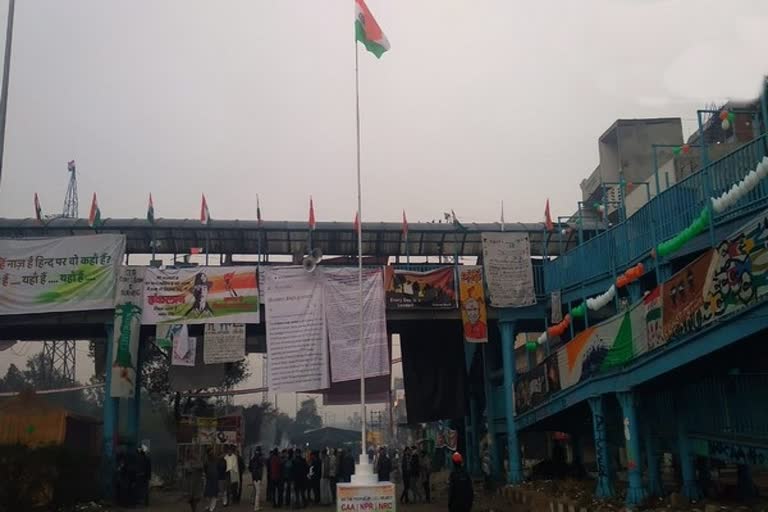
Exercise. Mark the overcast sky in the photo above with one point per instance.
(477, 101)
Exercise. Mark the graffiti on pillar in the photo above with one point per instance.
(735, 453)
(601, 447)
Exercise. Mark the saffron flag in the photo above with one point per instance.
(368, 31)
(151, 210)
(311, 214)
(405, 226)
(356, 224)
(548, 218)
(38, 209)
(205, 214)
(94, 219)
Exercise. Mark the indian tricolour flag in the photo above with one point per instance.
(94, 218)
(38, 209)
(368, 31)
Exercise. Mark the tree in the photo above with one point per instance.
(307, 417)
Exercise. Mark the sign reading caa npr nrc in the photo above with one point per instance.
(366, 498)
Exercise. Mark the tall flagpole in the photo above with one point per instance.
(6, 73)
(360, 254)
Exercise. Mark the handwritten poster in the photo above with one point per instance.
(296, 330)
(74, 273)
(223, 343)
(474, 315)
(201, 296)
(508, 269)
(125, 336)
(341, 294)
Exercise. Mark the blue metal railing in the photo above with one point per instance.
(661, 218)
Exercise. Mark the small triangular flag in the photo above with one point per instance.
(94, 218)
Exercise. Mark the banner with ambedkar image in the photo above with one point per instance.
(203, 295)
(47, 275)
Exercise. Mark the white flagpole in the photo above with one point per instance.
(360, 255)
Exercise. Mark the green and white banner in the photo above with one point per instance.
(125, 338)
(46, 275)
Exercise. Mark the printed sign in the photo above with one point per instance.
(420, 290)
(474, 315)
(125, 335)
(508, 269)
(297, 332)
(342, 310)
(201, 296)
(74, 273)
(366, 498)
(223, 343)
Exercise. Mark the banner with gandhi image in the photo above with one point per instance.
(474, 315)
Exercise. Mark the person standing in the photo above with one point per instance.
(240, 471)
(299, 471)
(426, 473)
(406, 473)
(383, 466)
(288, 483)
(316, 470)
(223, 478)
(416, 484)
(211, 471)
(333, 473)
(276, 479)
(460, 492)
(256, 468)
(325, 478)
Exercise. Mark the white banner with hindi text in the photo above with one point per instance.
(125, 335)
(296, 330)
(342, 311)
(508, 269)
(74, 273)
(223, 343)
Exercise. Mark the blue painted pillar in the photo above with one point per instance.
(636, 493)
(491, 417)
(134, 431)
(604, 477)
(690, 485)
(515, 474)
(652, 460)
(110, 416)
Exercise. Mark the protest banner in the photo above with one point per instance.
(420, 290)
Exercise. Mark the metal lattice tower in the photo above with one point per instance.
(60, 355)
(70, 200)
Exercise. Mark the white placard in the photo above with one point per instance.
(296, 330)
(508, 269)
(342, 299)
(223, 343)
(183, 348)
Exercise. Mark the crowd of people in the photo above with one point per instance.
(296, 478)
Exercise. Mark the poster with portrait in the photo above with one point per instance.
(474, 315)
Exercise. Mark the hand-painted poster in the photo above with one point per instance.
(683, 298)
(654, 326)
(75, 273)
(297, 333)
(176, 336)
(223, 343)
(202, 295)
(508, 269)
(342, 310)
(474, 315)
(531, 389)
(420, 290)
(125, 335)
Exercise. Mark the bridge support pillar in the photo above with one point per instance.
(490, 414)
(690, 487)
(652, 460)
(134, 419)
(515, 473)
(110, 416)
(636, 493)
(471, 421)
(604, 479)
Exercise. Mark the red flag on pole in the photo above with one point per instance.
(548, 218)
(405, 225)
(356, 224)
(311, 214)
(205, 215)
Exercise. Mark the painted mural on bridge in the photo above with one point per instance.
(719, 283)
